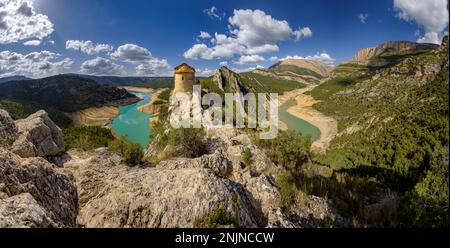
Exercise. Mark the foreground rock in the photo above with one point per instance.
(38, 136)
(34, 194)
(8, 129)
(114, 195)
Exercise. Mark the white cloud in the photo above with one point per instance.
(32, 43)
(251, 32)
(363, 18)
(204, 35)
(322, 57)
(256, 28)
(101, 67)
(19, 21)
(249, 59)
(35, 64)
(432, 15)
(302, 33)
(213, 13)
(205, 72)
(145, 63)
(274, 59)
(224, 63)
(88, 46)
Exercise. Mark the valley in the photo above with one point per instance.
(364, 144)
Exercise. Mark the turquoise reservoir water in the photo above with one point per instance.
(297, 124)
(133, 123)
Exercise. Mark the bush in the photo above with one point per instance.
(131, 151)
(290, 149)
(87, 137)
(217, 217)
(247, 157)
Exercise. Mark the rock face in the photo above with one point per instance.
(227, 80)
(366, 54)
(114, 195)
(38, 136)
(34, 194)
(8, 129)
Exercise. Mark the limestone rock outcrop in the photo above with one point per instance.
(34, 194)
(114, 195)
(364, 55)
(8, 129)
(38, 136)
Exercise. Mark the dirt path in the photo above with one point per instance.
(327, 125)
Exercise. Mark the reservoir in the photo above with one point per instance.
(297, 124)
(133, 123)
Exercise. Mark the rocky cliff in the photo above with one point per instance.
(392, 47)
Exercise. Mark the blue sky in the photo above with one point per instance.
(145, 37)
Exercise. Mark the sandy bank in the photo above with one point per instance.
(99, 116)
(137, 89)
(303, 109)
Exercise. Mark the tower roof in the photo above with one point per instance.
(184, 68)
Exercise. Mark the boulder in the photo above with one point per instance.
(38, 136)
(34, 194)
(115, 195)
(8, 129)
(23, 211)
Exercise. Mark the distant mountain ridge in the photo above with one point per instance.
(67, 93)
(366, 54)
(13, 78)
(149, 82)
(300, 70)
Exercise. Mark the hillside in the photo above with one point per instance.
(299, 70)
(226, 80)
(67, 93)
(148, 82)
(12, 78)
(393, 127)
(390, 50)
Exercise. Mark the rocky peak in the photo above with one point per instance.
(38, 136)
(366, 54)
(228, 81)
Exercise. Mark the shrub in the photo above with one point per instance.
(290, 149)
(247, 157)
(131, 151)
(87, 137)
(217, 217)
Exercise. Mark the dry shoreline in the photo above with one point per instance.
(137, 89)
(303, 109)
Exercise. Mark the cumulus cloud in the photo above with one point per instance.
(205, 72)
(274, 59)
(88, 46)
(145, 63)
(249, 59)
(32, 43)
(363, 18)
(302, 33)
(101, 67)
(223, 63)
(19, 21)
(322, 57)
(35, 64)
(213, 13)
(204, 35)
(432, 15)
(251, 32)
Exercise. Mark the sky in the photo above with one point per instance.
(41, 38)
